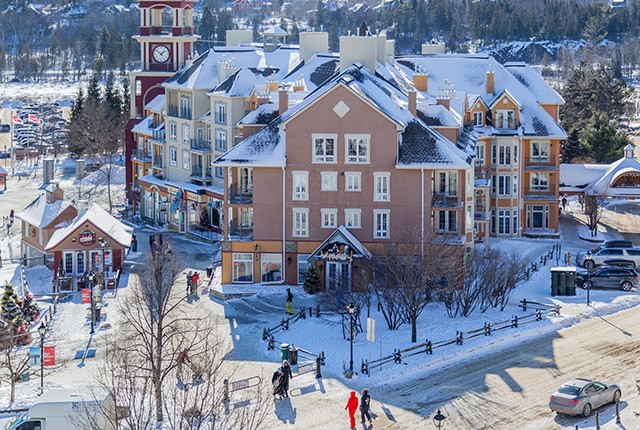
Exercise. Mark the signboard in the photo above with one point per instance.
(336, 251)
(87, 237)
(371, 330)
(34, 356)
(306, 367)
(50, 355)
(86, 296)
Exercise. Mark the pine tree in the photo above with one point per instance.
(93, 89)
(78, 104)
(312, 280)
(603, 141)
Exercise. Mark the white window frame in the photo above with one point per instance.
(186, 134)
(329, 218)
(505, 155)
(173, 156)
(300, 221)
(480, 154)
(447, 222)
(220, 113)
(300, 186)
(353, 218)
(303, 260)
(353, 182)
(381, 216)
(241, 257)
(478, 118)
(186, 159)
(361, 141)
(329, 181)
(540, 150)
(450, 178)
(504, 186)
(221, 140)
(173, 131)
(502, 120)
(325, 157)
(536, 184)
(381, 186)
(504, 222)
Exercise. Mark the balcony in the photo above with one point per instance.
(198, 173)
(541, 192)
(200, 145)
(239, 196)
(159, 136)
(172, 110)
(140, 155)
(185, 113)
(157, 161)
(239, 231)
(445, 200)
(540, 163)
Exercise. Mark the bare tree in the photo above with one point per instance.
(593, 206)
(14, 358)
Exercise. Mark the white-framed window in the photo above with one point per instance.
(539, 182)
(357, 148)
(300, 185)
(480, 161)
(505, 118)
(219, 172)
(504, 185)
(381, 223)
(493, 184)
(329, 218)
(504, 222)
(353, 181)
(324, 148)
(301, 222)
(242, 267)
(514, 215)
(68, 262)
(538, 216)
(186, 159)
(80, 263)
(329, 181)
(246, 180)
(540, 151)
(504, 155)
(173, 156)
(173, 131)
(221, 140)
(515, 185)
(469, 217)
(270, 267)
(186, 133)
(447, 221)
(184, 106)
(138, 87)
(303, 267)
(352, 218)
(220, 113)
(478, 119)
(447, 182)
(381, 186)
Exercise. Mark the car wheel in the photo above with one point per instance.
(586, 410)
(616, 396)
(589, 264)
(587, 284)
(626, 286)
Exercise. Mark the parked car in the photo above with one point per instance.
(580, 396)
(618, 244)
(624, 278)
(602, 253)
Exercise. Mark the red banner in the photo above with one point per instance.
(16, 119)
(86, 296)
(50, 355)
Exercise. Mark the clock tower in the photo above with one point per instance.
(166, 42)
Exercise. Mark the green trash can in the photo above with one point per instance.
(284, 350)
(293, 355)
(563, 281)
(134, 245)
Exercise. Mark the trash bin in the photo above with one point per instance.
(284, 350)
(96, 313)
(293, 355)
(563, 281)
(209, 271)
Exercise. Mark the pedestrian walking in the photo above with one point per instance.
(352, 407)
(276, 381)
(564, 203)
(11, 215)
(194, 282)
(287, 375)
(289, 303)
(152, 243)
(365, 403)
(160, 240)
(189, 278)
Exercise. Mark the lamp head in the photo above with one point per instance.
(42, 329)
(351, 308)
(588, 255)
(438, 420)
(102, 242)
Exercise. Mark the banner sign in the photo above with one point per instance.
(86, 296)
(34, 356)
(50, 355)
(87, 238)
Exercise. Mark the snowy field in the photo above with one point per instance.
(243, 319)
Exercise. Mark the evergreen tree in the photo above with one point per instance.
(207, 24)
(10, 308)
(312, 280)
(93, 89)
(572, 148)
(603, 141)
(30, 309)
(112, 96)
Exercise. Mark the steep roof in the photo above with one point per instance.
(40, 213)
(265, 148)
(157, 104)
(102, 220)
(314, 72)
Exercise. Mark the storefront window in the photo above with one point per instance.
(68, 262)
(80, 262)
(303, 266)
(242, 267)
(271, 267)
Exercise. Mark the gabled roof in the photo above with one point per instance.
(273, 30)
(265, 148)
(157, 104)
(242, 82)
(438, 116)
(41, 214)
(101, 220)
(507, 94)
(343, 235)
(315, 72)
(263, 114)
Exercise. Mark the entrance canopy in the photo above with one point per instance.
(342, 246)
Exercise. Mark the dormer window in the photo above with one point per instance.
(505, 118)
(478, 119)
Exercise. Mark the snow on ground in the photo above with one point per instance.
(41, 93)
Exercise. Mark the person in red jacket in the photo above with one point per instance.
(352, 407)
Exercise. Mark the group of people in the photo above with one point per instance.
(7, 221)
(280, 381)
(193, 279)
(352, 407)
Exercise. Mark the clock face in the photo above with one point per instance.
(161, 54)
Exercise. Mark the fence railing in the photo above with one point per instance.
(487, 330)
(554, 252)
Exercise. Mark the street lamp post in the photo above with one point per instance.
(351, 309)
(438, 420)
(92, 278)
(588, 263)
(42, 331)
(103, 243)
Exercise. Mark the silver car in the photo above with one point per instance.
(601, 254)
(580, 396)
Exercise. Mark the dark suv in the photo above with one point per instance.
(610, 277)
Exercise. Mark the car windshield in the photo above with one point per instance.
(569, 389)
(17, 422)
(596, 250)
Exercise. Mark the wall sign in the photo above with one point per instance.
(87, 237)
(336, 251)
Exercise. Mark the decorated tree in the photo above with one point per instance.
(312, 280)
(30, 309)
(12, 315)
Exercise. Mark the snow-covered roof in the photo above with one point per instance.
(263, 114)
(157, 104)
(145, 126)
(343, 235)
(242, 82)
(581, 175)
(273, 30)
(438, 116)
(315, 72)
(266, 148)
(39, 213)
(3, 171)
(102, 220)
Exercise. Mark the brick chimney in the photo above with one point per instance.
(490, 82)
(421, 81)
(283, 101)
(413, 105)
(443, 101)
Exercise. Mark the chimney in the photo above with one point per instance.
(390, 51)
(421, 81)
(299, 85)
(413, 108)
(313, 43)
(272, 86)
(443, 101)
(283, 101)
(490, 82)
